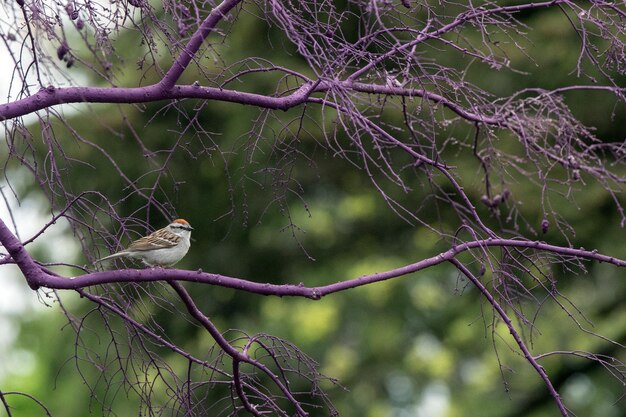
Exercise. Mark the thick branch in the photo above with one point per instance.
(33, 273)
(52, 96)
(37, 277)
(198, 38)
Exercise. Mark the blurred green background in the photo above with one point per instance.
(287, 210)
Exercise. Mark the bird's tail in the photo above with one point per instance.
(112, 256)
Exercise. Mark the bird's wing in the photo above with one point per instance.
(161, 239)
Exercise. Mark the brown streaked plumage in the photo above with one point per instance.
(164, 247)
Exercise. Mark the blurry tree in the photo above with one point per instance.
(468, 147)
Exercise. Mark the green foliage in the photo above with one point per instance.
(264, 207)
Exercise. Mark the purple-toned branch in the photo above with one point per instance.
(514, 333)
(51, 96)
(231, 351)
(150, 333)
(38, 277)
(471, 14)
(389, 68)
(237, 379)
(198, 38)
(33, 273)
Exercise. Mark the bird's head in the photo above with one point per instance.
(180, 227)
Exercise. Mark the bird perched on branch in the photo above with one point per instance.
(165, 247)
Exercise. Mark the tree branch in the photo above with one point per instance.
(39, 277)
(197, 39)
(516, 336)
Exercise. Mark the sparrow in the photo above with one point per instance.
(163, 248)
